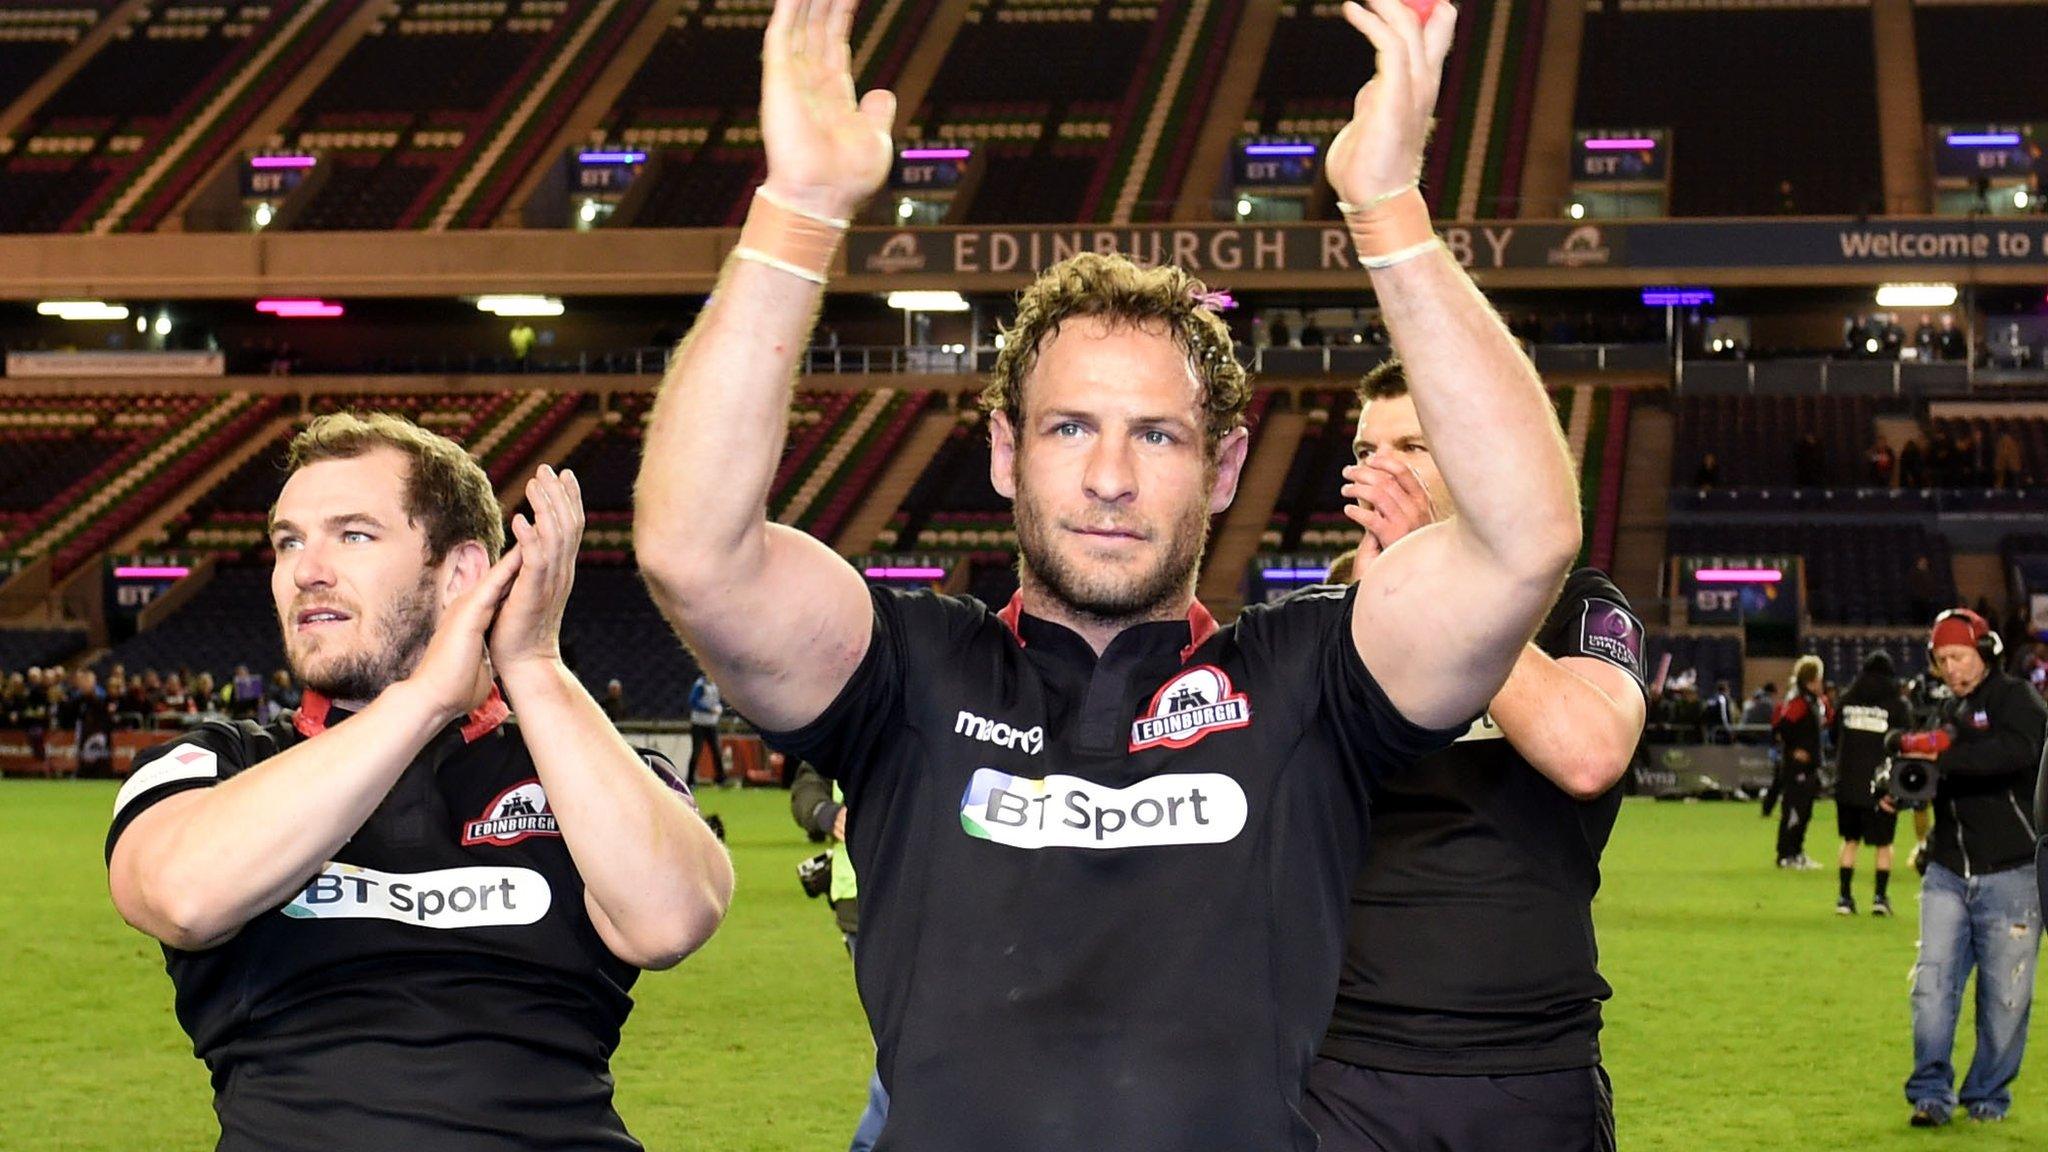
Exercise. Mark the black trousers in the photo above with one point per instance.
(1358, 1109)
(1795, 813)
(703, 742)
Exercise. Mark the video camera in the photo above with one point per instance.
(815, 874)
(1910, 783)
(1911, 779)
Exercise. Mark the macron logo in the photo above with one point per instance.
(1027, 740)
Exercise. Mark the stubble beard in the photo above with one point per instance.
(1099, 598)
(399, 638)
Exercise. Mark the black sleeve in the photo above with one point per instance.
(913, 633)
(200, 758)
(1370, 732)
(2013, 745)
(1593, 619)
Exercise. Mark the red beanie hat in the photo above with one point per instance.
(1958, 626)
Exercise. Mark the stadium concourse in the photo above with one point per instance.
(1792, 313)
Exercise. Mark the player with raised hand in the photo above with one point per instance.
(1104, 843)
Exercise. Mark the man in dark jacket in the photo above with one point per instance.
(819, 808)
(1979, 904)
(1797, 728)
(1870, 708)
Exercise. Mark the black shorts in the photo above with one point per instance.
(1358, 1109)
(1867, 824)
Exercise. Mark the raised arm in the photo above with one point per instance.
(779, 620)
(656, 881)
(1443, 616)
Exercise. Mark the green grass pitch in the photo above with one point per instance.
(1747, 1016)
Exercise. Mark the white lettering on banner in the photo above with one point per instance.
(1219, 250)
(1070, 812)
(1864, 718)
(448, 898)
(1893, 244)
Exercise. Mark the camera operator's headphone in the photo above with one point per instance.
(1989, 646)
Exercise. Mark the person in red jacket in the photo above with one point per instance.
(1797, 727)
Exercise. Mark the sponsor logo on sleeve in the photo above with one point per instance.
(448, 898)
(1188, 707)
(1070, 812)
(189, 762)
(1613, 633)
(518, 813)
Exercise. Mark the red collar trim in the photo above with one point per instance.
(1201, 625)
(314, 708)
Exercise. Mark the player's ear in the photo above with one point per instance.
(1002, 454)
(464, 565)
(1230, 457)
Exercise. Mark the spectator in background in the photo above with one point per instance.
(1941, 459)
(2008, 465)
(1949, 342)
(1856, 337)
(1879, 463)
(1892, 340)
(13, 698)
(613, 701)
(246, 694)
(1756, 715)
(1923, 589)
(1311, 333)
(1912, 466)
(1925, 339)
(175, 701)
(1788, 200)
(1807, 471)
(281, 696)
(1718, 715)
(706, 709)
(205, 695)
(138, 701)
(1708, 475)
(521, 338)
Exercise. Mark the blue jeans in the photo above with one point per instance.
(1993, 924)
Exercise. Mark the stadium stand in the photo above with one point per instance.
(434, 115)
(1708, 656)
(38, 647)
(230, 621)
(158, 102)
(692, 106)
(33, 37)
(1793, 85)
(1752, 437)
(1844, 655)
(1977, 61)
(1316, 63)
(1856, 573)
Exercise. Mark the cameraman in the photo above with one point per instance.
(1978, 903)
(1870, 708)
(820, 810)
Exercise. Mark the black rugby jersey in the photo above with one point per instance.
(1471, 944)
(438, 985)
(1102, 900)
(1870, 708)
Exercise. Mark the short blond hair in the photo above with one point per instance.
(1807, 669)
(447, 492)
